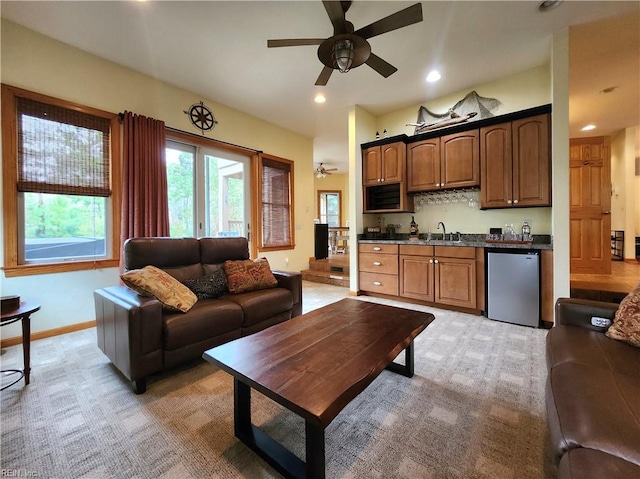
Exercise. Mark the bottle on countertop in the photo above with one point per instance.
(526, 231)
(377, 135)
(413, 227)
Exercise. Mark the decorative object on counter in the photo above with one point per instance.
(377, 135)
(391, 231)
(373, 229)
(509, 236)
(384, 133)
(471, 106)
(413, 229)
(526, 231)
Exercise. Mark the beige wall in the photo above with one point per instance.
(38, 63)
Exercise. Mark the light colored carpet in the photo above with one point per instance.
(474, 409)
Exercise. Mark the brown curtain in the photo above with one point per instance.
(145, 206)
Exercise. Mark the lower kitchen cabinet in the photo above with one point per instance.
(442, 274)
(378, 268)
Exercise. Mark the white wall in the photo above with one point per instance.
(38, 63)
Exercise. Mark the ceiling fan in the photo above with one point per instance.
(321, 171)
(347, 48)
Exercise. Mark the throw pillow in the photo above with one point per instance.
(152, 281)
(626, 323)
(209, 286)
(247, 275)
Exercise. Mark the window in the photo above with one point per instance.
(60, 206)
(209, 190)
(329, 206)
(276, 199)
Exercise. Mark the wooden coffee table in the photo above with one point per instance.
(314, 365)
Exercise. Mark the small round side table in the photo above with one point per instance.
(21, 313)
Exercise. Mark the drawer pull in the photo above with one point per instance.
(377, 263)
(376, 248)
(377, 283)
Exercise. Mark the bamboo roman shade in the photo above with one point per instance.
(276, 203)
(62, 151)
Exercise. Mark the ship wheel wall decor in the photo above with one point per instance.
(201, 117)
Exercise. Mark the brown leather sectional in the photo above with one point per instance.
(592, 395)
(141, 338)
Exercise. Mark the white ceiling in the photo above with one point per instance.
(219, 50)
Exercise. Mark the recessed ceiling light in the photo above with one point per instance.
(319, 98)
(589, 127)
(433, 76)
(548, 5)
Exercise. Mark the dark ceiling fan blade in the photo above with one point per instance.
(378, 64)
(336, 15)
(294, 42)
(324, 76)
(403, 18)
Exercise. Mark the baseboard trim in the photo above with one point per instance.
(6, 342)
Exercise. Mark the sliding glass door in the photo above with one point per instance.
(209, 191)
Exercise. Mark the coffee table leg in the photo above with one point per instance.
(315, 459)
(274, 453)
(242, 411)
(406, 369)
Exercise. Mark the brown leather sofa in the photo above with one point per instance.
(140, 337)
(592, 395)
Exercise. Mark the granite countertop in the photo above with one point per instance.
(475, 240)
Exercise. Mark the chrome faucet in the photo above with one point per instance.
(444, 230)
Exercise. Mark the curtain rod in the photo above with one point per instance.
(240, 147)
(245, 148)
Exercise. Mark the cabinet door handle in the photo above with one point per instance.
(376, 248)
(430, 261)
(377, 263)
(515, 202)
(377, 283)
(509, 202)
(435, 261)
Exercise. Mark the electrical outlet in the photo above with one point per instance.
(398, 226)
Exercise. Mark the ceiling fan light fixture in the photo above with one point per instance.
(320, 174)
(343, 54)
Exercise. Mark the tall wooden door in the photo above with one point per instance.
(590, 205)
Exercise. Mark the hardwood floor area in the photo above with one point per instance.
(623, 278)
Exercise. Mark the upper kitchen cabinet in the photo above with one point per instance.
(515, 163)
(383, 164)
(450, 161)
(460, 160)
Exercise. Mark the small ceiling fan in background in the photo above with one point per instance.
(321, 171)
(347, 48)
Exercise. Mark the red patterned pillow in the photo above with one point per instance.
(247, 275)
(626, 324)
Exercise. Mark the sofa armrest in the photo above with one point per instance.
(129, 328)
(293, 282)
(578, 312)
